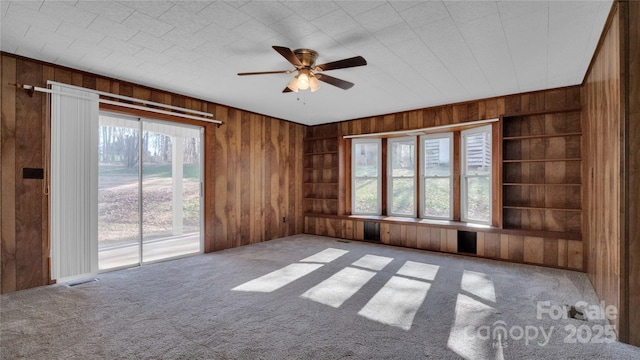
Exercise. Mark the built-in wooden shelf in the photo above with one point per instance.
(538, 208)
(539, 184)
(542, 136)
(321, 153)
(540, 160)
(320, 138)
(541, 171)
(543, 112)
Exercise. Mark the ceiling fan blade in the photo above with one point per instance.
(289, 55)
(342, 64)
(342, 84)
(287, 90)
(266, 72)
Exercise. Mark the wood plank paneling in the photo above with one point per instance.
(452, 241)
(492, 245)
(611, 93)
(547, 251)
(48, 72)
(633, 171)
(385, 233)
(423, 240)
(533, 250)
(562, 253)
(574, 254)
(220, 219)
(504, 246)
(359, 230)
(253, 169)
(8, 168)
(551, 255)
(480, 244)
(602, 171)
(411, 237)
(29, 192)
(444, 241)
(209, 191)
(516, 248)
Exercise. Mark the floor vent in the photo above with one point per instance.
(343, 241)
(80, 282)
(372, 231)
(576, 313)
(467, 242)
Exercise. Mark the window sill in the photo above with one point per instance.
(411, 220)
(448, 224)
(434, 222)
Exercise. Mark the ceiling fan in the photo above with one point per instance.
(308, 73)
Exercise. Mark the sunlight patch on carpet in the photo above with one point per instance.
(478, 284)
(277, 279)
(325, 256)
(464, 339)
(397, 302)
(373, 262)
(337, 289)
(419, 270)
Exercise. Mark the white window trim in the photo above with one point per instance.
(464, 176)
(390, 177)
(423, 175)
(354, 142)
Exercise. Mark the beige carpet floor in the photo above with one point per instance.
(310, 297)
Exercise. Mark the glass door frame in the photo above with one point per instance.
(140, 242)
(200, 130)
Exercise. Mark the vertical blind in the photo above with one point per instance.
(74, 183)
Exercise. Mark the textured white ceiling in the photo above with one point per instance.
(419, 53)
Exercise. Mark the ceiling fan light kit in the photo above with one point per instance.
(308, 73)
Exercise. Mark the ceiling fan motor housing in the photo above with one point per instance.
(306, 56)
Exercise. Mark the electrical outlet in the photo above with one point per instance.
(284, 219)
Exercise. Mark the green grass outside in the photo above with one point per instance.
(190, 171)
(436, 199)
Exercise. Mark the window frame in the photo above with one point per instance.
(379, 177)
(390, 176)
(423, 176)
(464, 176)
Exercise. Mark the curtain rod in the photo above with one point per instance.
(422, 131)
(31, 89)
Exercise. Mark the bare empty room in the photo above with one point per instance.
(320, 179)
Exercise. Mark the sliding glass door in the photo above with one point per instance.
(170, 191)
(118, 192)
(149, 191)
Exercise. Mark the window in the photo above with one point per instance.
(402, 176)
(436, 190)
(442, 176)
(367, 182)
(476, 175)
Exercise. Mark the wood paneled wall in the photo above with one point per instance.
(253, 169)
(327, 182)
(546, 251)
(23, 247)
(611, 118)
(603, 165)
(633, 173)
